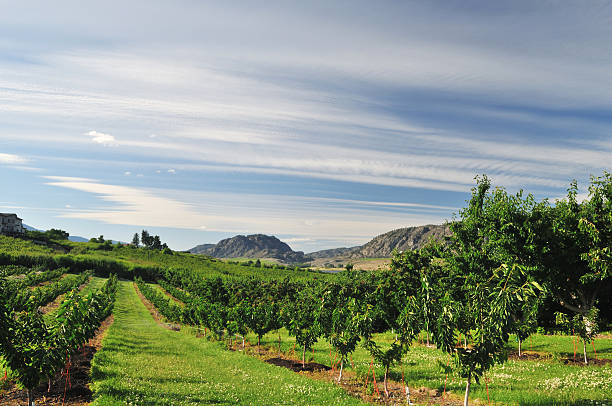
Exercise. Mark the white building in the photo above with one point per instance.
(10, 224)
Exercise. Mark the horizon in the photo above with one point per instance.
(324, 124)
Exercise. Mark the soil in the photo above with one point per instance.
(77, 392)
(296, 366)
(592, 361)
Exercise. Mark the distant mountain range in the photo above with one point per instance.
(264, 246)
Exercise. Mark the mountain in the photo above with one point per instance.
(333, 252)
(251, 246)
(265, 246)
(76, 238)
(382, 246)
(201, 249)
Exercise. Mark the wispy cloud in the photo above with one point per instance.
(304, 218)
(101, 138)
(12, 159)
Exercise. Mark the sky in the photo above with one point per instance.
(324, 123)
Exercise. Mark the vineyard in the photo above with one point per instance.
(513, 308)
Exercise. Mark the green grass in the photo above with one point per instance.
(94, 284)
(142, 363)
(562, 346)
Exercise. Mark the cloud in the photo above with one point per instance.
(173, 171)
(301, 217)
(12, 159)
(101, 138)
(127, 173)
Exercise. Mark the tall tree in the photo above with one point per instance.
(576, 266)
(135, 240)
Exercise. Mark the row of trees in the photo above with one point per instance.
(148, 241)
(507, 252)
(34, 348)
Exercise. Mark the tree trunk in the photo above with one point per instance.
(30, 398)
(584, 346)
(304, 357)
(407, 389)
(464, 342)
(428, 338)
(341, 365)
(279, 342)
(386, 388)
(467, 390)
(242, 343)
(519, 340)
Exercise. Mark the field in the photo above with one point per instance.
(143, 363)
(158, 353)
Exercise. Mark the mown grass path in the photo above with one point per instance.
(142, 363)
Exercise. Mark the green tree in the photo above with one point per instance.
(136, 240)
(489, 305)
(576, 267)
(348, 320)
(496, 238)
(302, 319)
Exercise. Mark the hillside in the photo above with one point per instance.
(382, 246)
(402, 239)
(251, 246)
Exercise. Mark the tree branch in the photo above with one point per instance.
(571, 307)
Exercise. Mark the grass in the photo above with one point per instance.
(145, 364)
(562, 346)
(542, 382)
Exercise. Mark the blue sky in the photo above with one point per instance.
(324, 123)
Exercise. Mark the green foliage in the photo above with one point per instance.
(32, 349)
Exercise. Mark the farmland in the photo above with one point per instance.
(493, 315)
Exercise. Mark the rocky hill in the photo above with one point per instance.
(402, 239)
(251, 246)
(202, 248)
(382, 246)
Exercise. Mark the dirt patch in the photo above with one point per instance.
(527, 356)
(154, 312)
(70, 389)
(296, 366)
(52, 306)
(579, 361)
